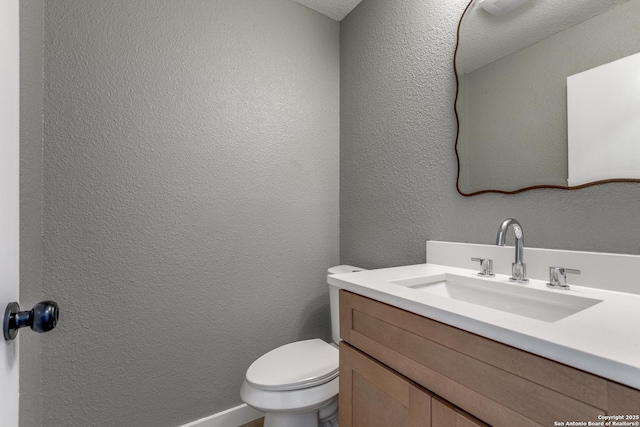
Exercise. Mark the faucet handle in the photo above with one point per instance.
(486, 265)
(558, 277)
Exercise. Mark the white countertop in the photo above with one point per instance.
(603, 339)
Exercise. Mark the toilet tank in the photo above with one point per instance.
(333, 299)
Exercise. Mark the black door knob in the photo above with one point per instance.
(43, 317)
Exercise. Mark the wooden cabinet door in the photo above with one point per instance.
(372, 395)
(444, 414)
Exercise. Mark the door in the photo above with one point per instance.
(9, 230)
(372, 395)
(444, 414)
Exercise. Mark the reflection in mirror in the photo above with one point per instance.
(603, 104)
(512, 86)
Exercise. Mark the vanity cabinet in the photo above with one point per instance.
(392, 356)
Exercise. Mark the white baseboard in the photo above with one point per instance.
(233, 417)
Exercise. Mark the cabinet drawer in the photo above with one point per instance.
(499, 384)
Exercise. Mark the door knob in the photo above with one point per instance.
(43, 317)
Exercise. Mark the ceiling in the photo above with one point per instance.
(334, 9)
(485, 38)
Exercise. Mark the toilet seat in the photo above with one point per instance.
(295, 366)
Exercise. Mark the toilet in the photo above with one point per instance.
(296, 385)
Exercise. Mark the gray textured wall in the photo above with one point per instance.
(398, 166)
(513, 112)
(31, 93)
(190, 200)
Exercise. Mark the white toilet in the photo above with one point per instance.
(296, 385)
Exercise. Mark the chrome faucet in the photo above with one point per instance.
(518, 268)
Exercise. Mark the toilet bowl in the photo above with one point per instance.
(296, 385)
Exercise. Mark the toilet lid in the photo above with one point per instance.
(295, 366)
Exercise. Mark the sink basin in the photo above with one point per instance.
(548, 306)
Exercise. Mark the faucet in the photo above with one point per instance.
(518, 268)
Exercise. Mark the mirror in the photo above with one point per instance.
(512, 71)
